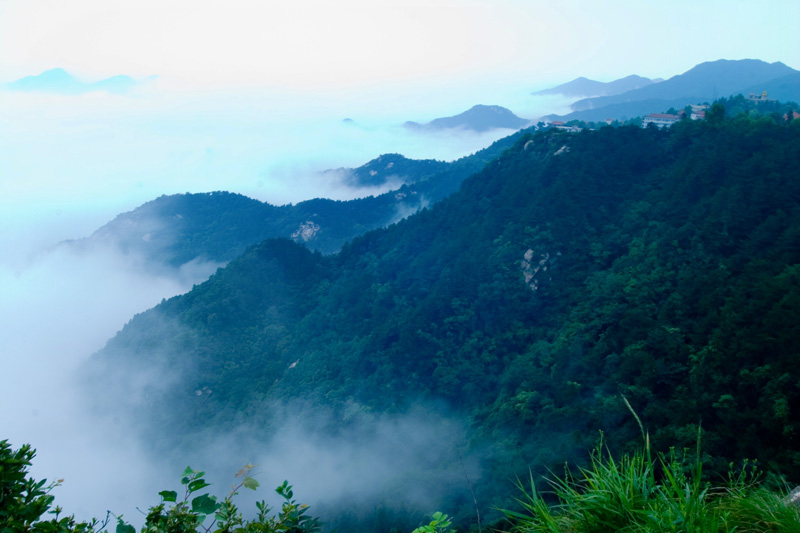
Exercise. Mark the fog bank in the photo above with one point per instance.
(58, 307)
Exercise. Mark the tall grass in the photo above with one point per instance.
(637, 494)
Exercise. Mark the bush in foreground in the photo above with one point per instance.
(638, 494)
(24, 502)
(634, 494)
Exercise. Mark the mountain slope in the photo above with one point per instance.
(573, 271)
(391, 168)
(786, 88)
(702, 83)
(60, 81)
(173, 230)
(479, 118)
(705, 82)
(585, 87)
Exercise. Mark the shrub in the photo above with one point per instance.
(24, 501)
(638, 494)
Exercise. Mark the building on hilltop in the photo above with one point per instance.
(758, 98)
(698, 112)
(563, 127)
(661, 120)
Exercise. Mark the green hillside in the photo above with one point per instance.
(573, 270)
(218, 226)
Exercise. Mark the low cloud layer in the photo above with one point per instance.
(62, 304)
(408, 462)
(97, 149)
(57, 308)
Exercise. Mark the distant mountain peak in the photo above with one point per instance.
(390, 168)
(58, 80)
(53, 73)
(701, 83)
(478, 118)
(585, 87)
(704, 82)
(737, 69)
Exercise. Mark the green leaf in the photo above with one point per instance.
(187, 475)
(125, 528)
(198, 484)
(250, 483)
(169, 495)
(205, 504)
(285, 490)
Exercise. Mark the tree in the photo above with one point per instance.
(716, 114)
(24, 500)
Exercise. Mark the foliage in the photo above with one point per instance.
(193, 511)
(439, 524)
(24, 501)
(639, 494)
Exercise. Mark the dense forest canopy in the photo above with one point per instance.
(573, 272)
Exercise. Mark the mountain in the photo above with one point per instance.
(58, 80)
(706, 81)
(573, 274)
(786, 88)
(586, 87)
(55, 80)
(392, 168)
(174, 230)
(479, 118)
(703, 83)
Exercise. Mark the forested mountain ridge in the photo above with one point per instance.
(173, 230)
(391, 167)
(575, 269)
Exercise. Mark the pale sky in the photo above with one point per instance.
(346, 43)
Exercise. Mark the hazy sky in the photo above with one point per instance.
(234, 43)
